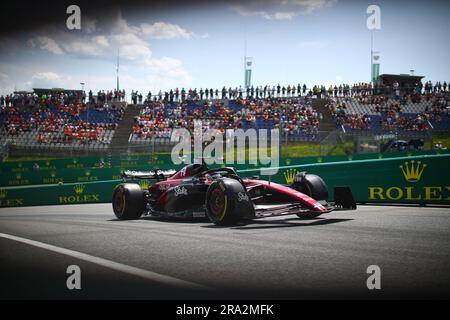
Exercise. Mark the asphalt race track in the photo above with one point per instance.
(282, 257)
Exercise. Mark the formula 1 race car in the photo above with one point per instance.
(223, 196)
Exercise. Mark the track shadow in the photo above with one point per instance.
(175, 220)
(287, 223)
(247, 224)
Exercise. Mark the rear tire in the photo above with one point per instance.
(128, 201)
(227, 202)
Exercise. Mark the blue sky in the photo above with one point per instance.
(291, 41)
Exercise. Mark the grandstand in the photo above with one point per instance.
(294, 116)
(378, 114)
(59, 120)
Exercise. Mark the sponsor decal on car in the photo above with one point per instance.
(163, 187)
(198, 214)
(183, 172)
(180, 190)
(242, 196)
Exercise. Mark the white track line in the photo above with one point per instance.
(149, 275)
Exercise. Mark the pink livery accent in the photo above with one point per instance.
(303, 198)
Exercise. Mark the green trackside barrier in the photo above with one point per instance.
(79, 175)
(68, 175)
(72, 193)
(419, 179)
(357, 156)
(84, 163)
(151, 160)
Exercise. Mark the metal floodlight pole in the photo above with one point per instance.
(371, 57)
(117, 69)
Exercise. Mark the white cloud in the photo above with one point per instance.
(131, 46)
(101, 41)
(83, 48)
(163, 30)
(279, 10)
(45, 43)
(47, 76)
(127, 38)
(136, 56)
(50, 79)
(168, 72)
(120, 25)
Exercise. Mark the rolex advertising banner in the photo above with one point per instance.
(73, 193)
(420, 180)
(375, 66)
(423, 179)
(78, 171)
(417, 179)
(123, 161)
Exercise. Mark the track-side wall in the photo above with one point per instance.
(88, 169)
(417, 179)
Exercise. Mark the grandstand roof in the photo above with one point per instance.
(54, 90)
(400, 77)
(407, 82)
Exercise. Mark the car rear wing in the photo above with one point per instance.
(148, 175)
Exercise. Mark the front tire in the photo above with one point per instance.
(314, 187)
(311, 185)
(227, 202)
(128, 201)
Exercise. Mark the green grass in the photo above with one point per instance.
(315, 150)
(296, 150)
(300, 150)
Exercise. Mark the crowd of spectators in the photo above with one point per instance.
(105, 97)
(292, 116)
(59, 117)
(338, 109)
(282, 91)
(393, 117)
(225, 93)
(64, 116)
(394, 121)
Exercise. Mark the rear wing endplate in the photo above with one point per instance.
(147, 175)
